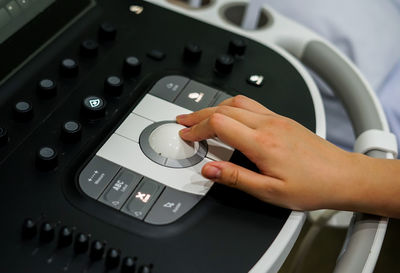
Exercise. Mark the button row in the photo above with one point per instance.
(134, 194)
(187, 93)
(81, 243)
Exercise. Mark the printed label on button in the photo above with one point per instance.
(196, 96)
(143, 197)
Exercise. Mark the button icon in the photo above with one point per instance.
(115, 203)
(169, 205)
(196, 96)
(172, 86)
(138, 213)
(144, 197)
(256, 80)
(94, 102)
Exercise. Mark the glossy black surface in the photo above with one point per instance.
(228, 231)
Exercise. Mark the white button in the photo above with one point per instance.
(165, 141)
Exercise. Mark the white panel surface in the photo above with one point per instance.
(157, 109)
(128, 154)
(218, 150)
(133, 126)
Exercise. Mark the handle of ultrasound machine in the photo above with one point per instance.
(366, 233)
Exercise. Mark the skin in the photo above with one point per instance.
(297, 169)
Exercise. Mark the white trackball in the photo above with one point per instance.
(165, 141)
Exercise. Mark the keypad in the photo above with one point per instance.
(155, 189)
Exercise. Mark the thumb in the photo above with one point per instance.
(232, 175)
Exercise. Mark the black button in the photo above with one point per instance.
(107, 31)
(192, 52)
(46, 158)
(156, 55)
(89, 48)
(144, 269)
(113, 85)
(65, 237)
(224, 64)
(71, 131)
(81, 243)
(23, 110)
(69, 67)
(112, 258)
(237, 47)
(132, 66)
(3, 136)
(128, 265)
(47, 88)
(29, 229)
(46, 232)
(93, 107)
(96, 250)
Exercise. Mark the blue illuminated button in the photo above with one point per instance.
(120, 188)
(143, 198)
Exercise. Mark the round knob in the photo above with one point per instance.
(113, 85)
(3, 136)
(46, 158)
(89, 48)
(23, 110)
(237, 47)
(94, 107)
(81, 243)
(47, 88)
(224, 64)
(192, 52)
(132, 66)
(69, 67)
(165, 141)
(71, 131)
(128, 265)
(29, 229)
(96, 250)
(144, 269)
(107, 31)
(112, 258)
(46, 232)
(65, 237)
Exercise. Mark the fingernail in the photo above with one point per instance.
(184, 131)
(180, 117)
(212, 172)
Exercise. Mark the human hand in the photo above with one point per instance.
(298, 169)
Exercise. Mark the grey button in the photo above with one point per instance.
(4, 18)
(220, 97)
(168, 88)
(171, 205)
(96, 175)
(13, 8)
(196, 96)
(120, 188)
(143, 198)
